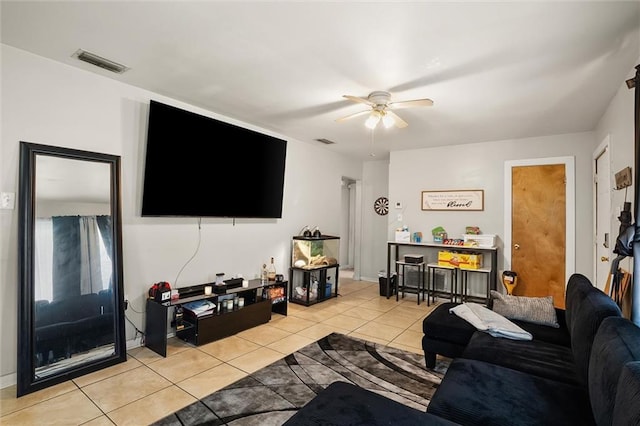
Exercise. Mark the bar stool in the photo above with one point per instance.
(453, 278)
(421, 285)
(464, 281)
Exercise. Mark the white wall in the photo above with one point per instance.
(617, 124)
(375, 178)
(481, 166)
(54, 104)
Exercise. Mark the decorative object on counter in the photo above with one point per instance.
(403, 235)
(271, 271)
(439, 234)
(416, 237)
(467, 200)
(263, 274)
(453, 242)
(208, 290)
(220, 278)
(279, 278)
(160, 292)
(305, 232)
(472, 230)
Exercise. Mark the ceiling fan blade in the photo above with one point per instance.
(353, 115)
(399, 122)
(359, 100)
(412, 103)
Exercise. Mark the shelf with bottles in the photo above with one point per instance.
(220, 315)
(311, 286)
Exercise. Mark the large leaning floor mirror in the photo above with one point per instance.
(70, 298)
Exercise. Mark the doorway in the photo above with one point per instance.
(540, 225)
(349, 229)
(603, 244)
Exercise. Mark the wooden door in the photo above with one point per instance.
(538, 220)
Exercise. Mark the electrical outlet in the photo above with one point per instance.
(7, 200)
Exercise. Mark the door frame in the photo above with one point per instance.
(602, 148)
(570, 207)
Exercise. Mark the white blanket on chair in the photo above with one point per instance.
(486, 320)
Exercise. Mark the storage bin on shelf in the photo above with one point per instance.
(479, 240)
(459, 260)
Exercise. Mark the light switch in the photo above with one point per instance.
(7, 200)
(399, 217)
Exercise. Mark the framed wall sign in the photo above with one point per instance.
(467, 200)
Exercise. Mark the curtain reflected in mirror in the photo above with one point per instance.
(71, 265)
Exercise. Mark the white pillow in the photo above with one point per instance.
(537, 310)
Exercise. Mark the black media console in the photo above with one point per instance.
(259, 302)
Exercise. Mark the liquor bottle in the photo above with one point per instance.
(263, 274)
(271, 271)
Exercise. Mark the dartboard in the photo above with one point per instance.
(381, 206)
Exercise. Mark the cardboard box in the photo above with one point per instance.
(403, 237)
(460, 260)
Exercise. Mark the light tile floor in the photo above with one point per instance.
(148, 387)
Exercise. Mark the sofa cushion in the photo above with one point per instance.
(443, 325)
(578, 287)
(587, 317)
(537, 310)
(617, 343)
(557, 336)
(342, 403)
(535, 357)
(627, 410)
(478, 393)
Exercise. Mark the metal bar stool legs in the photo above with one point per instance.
(453, 276)
(464, 278)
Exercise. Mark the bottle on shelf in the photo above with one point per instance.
(271, 271)
(263, 274)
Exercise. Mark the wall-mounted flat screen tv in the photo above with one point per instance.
(202, 167)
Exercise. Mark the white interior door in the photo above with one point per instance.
(604, 241)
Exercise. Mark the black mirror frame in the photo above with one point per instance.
(26, 381)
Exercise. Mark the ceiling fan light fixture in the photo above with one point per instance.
(373, 119)
(388, 121)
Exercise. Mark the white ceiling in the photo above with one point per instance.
(495, 71)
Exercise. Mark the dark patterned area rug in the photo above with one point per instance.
(274, 393)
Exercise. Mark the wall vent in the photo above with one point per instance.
(325, 141)
(99, 61)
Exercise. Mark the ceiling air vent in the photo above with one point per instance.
(99, 61)
(325, 141)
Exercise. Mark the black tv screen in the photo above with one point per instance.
(202, 167)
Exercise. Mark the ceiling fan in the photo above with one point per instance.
(381, 109)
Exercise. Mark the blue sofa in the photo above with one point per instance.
(587, 372)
